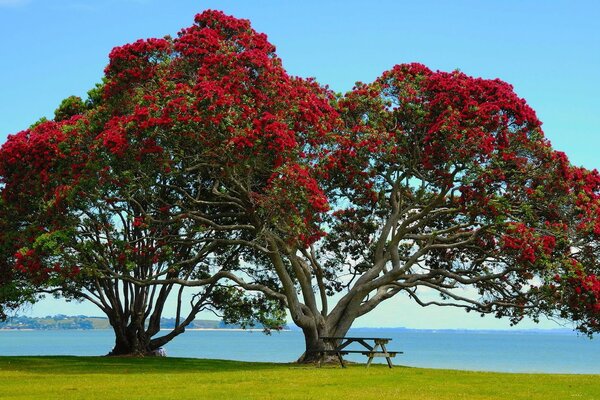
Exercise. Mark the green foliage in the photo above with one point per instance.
(51, 243)
(14, 294)
(72, 105)
(95, 96)
(38, 122)
(247, 311)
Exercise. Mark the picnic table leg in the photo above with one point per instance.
(387, 356)
(341, 359)
(372, 354)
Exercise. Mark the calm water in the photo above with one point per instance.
(485, 351)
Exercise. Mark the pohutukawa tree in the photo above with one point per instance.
(443, 188)
(95, 227)
(124, 204)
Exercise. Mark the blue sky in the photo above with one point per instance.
(549, 50)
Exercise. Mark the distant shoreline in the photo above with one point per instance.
(352, 330)
(62, 322)
(26, 329)
(162, 329)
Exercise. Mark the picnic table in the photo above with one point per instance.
(371, 347)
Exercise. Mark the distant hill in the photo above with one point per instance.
(85, 322)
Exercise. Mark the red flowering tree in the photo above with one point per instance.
(148, 190)
(442, 188)
(81, 232)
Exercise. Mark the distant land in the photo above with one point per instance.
(512, 330)
(59, 322)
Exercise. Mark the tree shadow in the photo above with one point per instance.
(126, 365)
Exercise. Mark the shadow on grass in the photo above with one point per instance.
(98, 365)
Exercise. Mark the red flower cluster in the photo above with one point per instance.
(463, 118)
(583, 293)
(37, 148)
(114, 137)
(28, 262)
(134, 62)
(527, 243)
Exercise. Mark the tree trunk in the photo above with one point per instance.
(312, 345)
(129, 348)
(134, 338)
(131, 341)
(323, 327)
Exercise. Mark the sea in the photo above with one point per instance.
(554, 351)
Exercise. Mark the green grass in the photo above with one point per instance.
(180, 378)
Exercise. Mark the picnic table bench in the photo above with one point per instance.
(339, 348)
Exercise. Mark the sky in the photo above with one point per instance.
(549, 50)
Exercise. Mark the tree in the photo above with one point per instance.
(441, 187)
(124, 204)
(81, 235)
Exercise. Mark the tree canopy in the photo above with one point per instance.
(441, 186)
(122, 204)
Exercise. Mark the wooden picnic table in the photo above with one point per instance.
(371, 347)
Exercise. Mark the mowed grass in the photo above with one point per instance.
(180, 378)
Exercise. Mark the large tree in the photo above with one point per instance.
(441, 187)
(124, 203)
(103, 229)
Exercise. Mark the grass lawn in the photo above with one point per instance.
(180, 378)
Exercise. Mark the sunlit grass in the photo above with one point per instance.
(180, 378)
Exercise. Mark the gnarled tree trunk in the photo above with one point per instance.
(136, 323)
(313, 345)
(130, 341)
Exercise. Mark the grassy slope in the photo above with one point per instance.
(179, 378)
